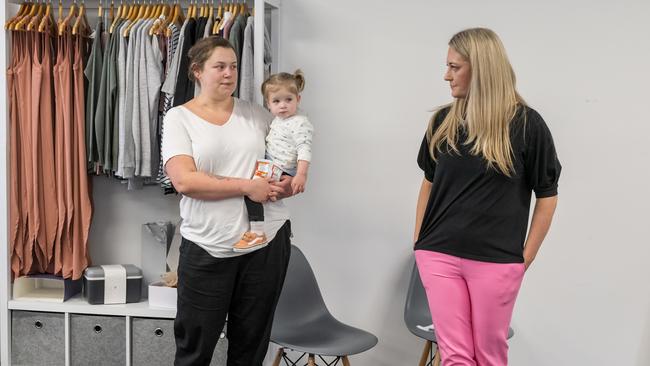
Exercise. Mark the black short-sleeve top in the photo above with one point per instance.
(476, 212)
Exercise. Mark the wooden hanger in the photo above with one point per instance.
(81, 24)
(167, 10)
(118, 16)
(195, 9)
(36, 19)
(27, 23)
(189, 9)
(140, 15)
(24, 9)
(157, 13)
(173, 16)
(148, 10)
(243, 9)
(167, 13)
(225, 16)
(123, 10)
(60, 18)
(158, 10)
(100, 10)
(22, 22)
(176, 18)
(111, 12)
(137, 12)
(133, 11)
(48, 19)
(64, 23)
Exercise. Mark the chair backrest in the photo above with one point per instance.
(301, 298)
(416, 308)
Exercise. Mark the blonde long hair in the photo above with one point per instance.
(491, 102)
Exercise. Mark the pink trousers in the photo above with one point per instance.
(471, 305)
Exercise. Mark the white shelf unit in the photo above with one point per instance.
(267, 12)
(78, 305)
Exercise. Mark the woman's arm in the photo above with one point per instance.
(541, 222)
(187, 180)
(423, 199)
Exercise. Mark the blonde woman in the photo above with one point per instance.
(482, 155)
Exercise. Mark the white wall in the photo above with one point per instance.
(374, 70)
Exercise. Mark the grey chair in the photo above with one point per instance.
(303, 324)
(416, 312)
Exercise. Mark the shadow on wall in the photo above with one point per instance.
(644, 352)
(392, 333)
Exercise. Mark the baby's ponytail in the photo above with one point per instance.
(299, 77)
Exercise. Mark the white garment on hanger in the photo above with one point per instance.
(247, 79)
(227, 15)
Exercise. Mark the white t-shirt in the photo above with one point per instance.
(230, 150)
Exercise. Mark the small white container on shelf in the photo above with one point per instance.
(161, 296)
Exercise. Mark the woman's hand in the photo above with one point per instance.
(281, 189)
(528, 260)
(258, 190)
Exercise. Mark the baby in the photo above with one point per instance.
(288, 147)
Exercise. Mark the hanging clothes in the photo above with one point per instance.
(16, 221)
(247, 80)
(93, 72)
(82, 104)
(172, 46)
(184, 86)
(24, 75)
(82, 214)
(237, 41)
(42, 85)
(50, 206)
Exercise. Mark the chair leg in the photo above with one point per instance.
(311, 361)
(425, 353)
(278, 357)
(346, 362)
(436, 358)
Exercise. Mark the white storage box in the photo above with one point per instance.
(45, 287)
(162, 296)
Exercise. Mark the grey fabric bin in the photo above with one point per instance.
(93, 284)
(153, 343)
(37, 338)
(97, 340)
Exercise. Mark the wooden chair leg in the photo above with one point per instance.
(346, 362)
(311, 361)
(278, 357)
(436, 358)
(425, 353)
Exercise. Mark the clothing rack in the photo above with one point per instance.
(133, 209)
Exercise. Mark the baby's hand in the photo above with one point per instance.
(298, 183)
